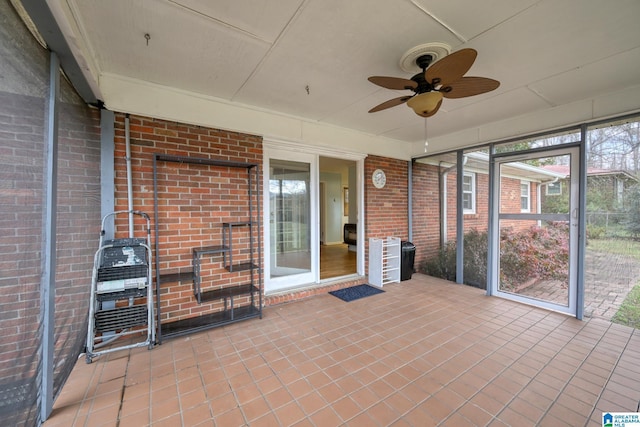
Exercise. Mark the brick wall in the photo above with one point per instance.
(480, 219)
(21, 207)
(426, 211)
(22, 197)
(386, 209)
(78, 225)
(510, 203)
(426, 205)
(193, 202)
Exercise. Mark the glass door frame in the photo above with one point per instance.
(574, 216)
(280, 283)
(295, 151)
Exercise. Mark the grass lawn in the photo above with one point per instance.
(626, 247)
(629, 312)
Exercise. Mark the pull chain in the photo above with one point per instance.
(426, 141)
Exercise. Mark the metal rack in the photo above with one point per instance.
(227, 294)
(250, 287)
(121, 293)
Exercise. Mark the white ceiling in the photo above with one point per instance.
(559, 61)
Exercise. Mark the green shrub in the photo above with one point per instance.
(442, 265)
(475, 258)
(595, 231)
(538, 252)
(632, 200)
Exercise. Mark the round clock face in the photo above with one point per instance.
(379, 178)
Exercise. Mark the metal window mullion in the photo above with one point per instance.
(582, 223)
(460, 219)
(493, 227)
(48, 285)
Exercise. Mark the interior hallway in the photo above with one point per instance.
(425, 352)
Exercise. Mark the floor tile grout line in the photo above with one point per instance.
(556, 353)
(441, 363)
(124, 386)
(555, 342)
(604, 388)
(582, 327)
(496, 416)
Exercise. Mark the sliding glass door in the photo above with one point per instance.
(292, 233)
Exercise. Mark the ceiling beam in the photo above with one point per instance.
(44, 21)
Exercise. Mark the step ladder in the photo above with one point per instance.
(121, 302)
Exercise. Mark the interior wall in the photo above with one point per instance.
(333, 207)
(352, 183)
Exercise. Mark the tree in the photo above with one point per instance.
(632, 222)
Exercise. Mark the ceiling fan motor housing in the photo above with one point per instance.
(423, 85)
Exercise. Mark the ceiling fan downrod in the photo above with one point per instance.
(424, 86)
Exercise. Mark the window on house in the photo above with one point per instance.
(525, 196)
(469, 193)
(554, 189)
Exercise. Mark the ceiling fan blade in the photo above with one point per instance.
(451, 68)
(435, 110)
(469, 86)
(396, 83)
(390, 103)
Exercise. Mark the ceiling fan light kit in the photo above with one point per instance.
(425, 103)
(442, 76)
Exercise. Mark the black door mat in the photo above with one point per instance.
(356, 292)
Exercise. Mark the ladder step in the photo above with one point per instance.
(106, 274)
(121, 318)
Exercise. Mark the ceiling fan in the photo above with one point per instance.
(445, 78)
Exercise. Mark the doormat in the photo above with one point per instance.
(356, 292)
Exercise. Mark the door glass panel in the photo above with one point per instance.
(534, 259)
(535, 224)
(290, 211)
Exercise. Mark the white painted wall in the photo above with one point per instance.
(138, 97)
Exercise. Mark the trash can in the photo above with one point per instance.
(407, 259)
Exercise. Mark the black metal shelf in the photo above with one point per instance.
(208, 250)
(228, 292)
(249, 262)
(209, 321)
(181, 276)
(243, 266)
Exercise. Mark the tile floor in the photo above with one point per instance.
(425, 352)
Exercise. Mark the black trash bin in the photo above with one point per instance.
(407, 259)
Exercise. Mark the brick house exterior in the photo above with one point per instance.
(428, 206)
(193, 200)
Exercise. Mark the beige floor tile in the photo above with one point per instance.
(425, 352)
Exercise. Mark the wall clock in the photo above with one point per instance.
(379, 178)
